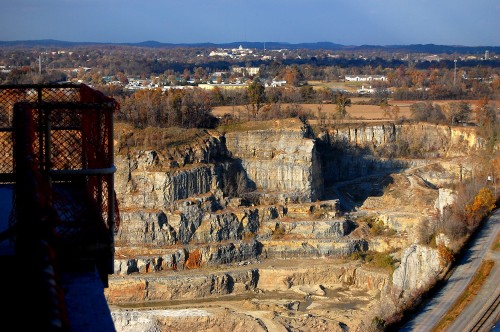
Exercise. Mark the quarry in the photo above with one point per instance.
(281, 225)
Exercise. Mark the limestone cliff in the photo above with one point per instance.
(257, 210)
(430, 139)
(352, 151)
(205, 284)
(281, 159)
(141, 182)
(420, 267)
(181, 195)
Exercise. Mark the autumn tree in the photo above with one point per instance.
(194, 260)
(96, 79)
(173, 111)
(342, 101)
(190, 108)
(324, 95)
(186, 75)
(121, 77)
(142, 108)
(485, 113)
(381, 93)
(196, 109)
(200, 74)
(274, 94)
(427, 111)
(256, 97)
(458, 112)
(390, 111)
(307, 93)
(480, 207)
(217, 96)
(292, 75)
(495, 87)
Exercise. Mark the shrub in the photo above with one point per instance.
(377, 324)
(375, 259)
(445, 255)
(377, 228)
(278, 232)
(480, 207)
(427, 111)
(381, 260)
(356, 255)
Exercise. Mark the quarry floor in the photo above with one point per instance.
(301, 308)
(312, 307)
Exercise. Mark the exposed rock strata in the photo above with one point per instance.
(353, 151)
(279, 160)
(150, 288)
(432, 139)
(168, 259)
(204, 284)
(181, 320)
(420, 266)
(183, 203)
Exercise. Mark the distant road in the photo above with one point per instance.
(436, 308)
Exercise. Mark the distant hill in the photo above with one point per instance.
(415, 48)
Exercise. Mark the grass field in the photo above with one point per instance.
(366, 112)
(356, 112)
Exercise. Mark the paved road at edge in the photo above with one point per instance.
(436, 308)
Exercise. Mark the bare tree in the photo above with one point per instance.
(458, 112)
(342, 101)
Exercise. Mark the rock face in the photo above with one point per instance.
(184, 320)
(150, 288)
(283, 159)
(420, 266)
(139, 184)
(406, 200)
(348, 152)
(281, 279)
(432, 139)
(174, 259)
(290, 248)
(446, 198)
(184, 201)
(178, 286)
(225, 205)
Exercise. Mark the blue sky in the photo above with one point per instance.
(347, 22)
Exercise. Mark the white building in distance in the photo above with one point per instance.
(365, 78)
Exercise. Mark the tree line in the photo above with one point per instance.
(186, 108)
(409, 79)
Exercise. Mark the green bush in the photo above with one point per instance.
(380, 260)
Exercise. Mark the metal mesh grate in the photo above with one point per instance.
(12, 94)
(67, 131)
(56, 152)
(6, 153)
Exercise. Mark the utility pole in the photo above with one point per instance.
(40, 64)
(455, 73)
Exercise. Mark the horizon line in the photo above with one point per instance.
(235, 42)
